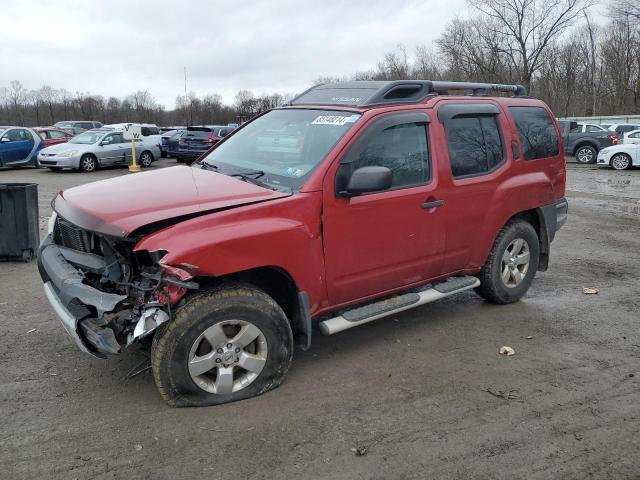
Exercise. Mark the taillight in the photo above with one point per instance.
(182, 141)
(614, 139)
(210, 138)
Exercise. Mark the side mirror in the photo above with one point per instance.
(5, 140)
(366, 180)
(103, 143)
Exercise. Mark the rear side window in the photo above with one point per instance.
(536, 131)
(56, 134)
(475, 144)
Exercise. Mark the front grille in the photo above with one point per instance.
(68, 235)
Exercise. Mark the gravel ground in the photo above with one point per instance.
(422, 394)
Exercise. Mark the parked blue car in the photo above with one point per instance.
(19, 146)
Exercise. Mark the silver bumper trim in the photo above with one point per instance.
(68, 321)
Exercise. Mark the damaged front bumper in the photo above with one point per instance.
(87, 313)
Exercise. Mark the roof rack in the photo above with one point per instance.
(369, 93)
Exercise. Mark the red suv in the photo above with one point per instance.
(356, 201)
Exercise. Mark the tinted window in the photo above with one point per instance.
(86, 125)
(536, 131)
(475, 144)
(401, 148)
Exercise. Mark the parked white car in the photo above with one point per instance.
(631, 137)
(620, 156)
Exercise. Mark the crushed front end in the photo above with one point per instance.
(106, 295)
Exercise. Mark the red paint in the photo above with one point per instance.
(46, 134)
(340, 251)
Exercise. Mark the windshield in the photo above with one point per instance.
(285, 144)
(87, 138)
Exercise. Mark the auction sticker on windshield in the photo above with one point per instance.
(334, 119)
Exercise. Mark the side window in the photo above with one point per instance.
(401, 148)
(536, 131)
(43, 135)
(56, 134)
(593, 128)
(475, 144)
(86, 125)
(145, 131)
(111, 139)
(117, 138)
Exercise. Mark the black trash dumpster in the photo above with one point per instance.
(19, 229)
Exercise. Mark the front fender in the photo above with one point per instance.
(250, 237)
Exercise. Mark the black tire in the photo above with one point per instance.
(179, 160)
(146, 159)
(620, 161)
(88, 163)
(173, 343)
(492, 286)
(586, 154)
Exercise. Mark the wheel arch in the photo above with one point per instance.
(539, 219)
(585, 143)
(280, 285)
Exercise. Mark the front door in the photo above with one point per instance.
(386, 240)
(111, 150)
(18, 145)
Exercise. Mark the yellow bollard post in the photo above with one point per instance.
(134, 167)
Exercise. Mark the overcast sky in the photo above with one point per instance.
(118, 47)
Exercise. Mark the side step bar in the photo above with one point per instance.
(399, 303)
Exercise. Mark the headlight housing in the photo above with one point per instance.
(69, 153)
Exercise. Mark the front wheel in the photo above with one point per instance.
(88, 163)
(227, 344)
(512, 263)
(621, 161)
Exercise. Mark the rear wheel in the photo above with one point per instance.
(512, 263)
(586, 154)
(146, 159)
(621, 161)
(88, 163)
(224, 345)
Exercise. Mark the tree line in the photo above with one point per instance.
(554, 48)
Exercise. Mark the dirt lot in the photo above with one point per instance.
(424, 392)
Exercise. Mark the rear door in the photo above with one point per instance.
(19, 145)
(383, 241)
(476, 164)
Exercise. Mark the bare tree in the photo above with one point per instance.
(529, 26)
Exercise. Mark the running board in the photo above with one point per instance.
(399, 303)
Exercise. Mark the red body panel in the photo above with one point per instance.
(339, 251)
(119, 206)
(48, 141)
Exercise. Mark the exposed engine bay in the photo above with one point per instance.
(114, 295)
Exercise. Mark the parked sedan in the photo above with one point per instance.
(632, 137)
(620, 156)
(97, 148)
(53, 136)
(83, 124)
(19, 146)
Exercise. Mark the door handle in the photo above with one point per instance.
(433, 204)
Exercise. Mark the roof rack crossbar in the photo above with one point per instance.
(478, 88)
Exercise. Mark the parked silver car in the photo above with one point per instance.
(97, 148)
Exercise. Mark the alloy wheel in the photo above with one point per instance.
(146, 159)
(228, 356)
(620, 161)
(515, 263)
(585, 155)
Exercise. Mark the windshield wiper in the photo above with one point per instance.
(208, 166)
(244, 175)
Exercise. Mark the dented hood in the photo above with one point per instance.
(119, 206)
